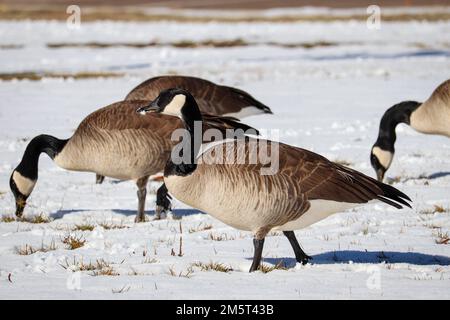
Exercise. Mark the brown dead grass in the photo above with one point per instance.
(200, 227)
(120, 14)
(99, 268)
(36, 219)
(73, 242)
(11, 46)
(182, 274)
(264, 268)
(112, 226)
(436, 209)
(29, 249)
(83, 227)
(220, 237)
(7, 218)
(36, 76)
(190, 44)
(212, 266)
(442, 237)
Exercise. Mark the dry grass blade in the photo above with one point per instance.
(439, 209)
(40, 218)
(186, 274)
(36, 76)
(150, 260)
(83, 227)
(28, 249)
(266, 268)
(112, 226)
(7, 218)
(121, 290)
(442, 238)
(212, 266)
(220, 237)
(200, 227)
(73, 242)
(99, 268)
(436, 209)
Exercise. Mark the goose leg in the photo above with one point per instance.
(141, 193)
(99, 179)
(163, 204)
(300, 255)
(258, 244)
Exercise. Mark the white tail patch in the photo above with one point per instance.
(245, 112)
(174, 107)
(384, 157)
(24, 185)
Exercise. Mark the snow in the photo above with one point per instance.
(326, 99)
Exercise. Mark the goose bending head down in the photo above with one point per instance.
(429, 117)
(114, 141)
(304, 189)
(383, 150)
(24, 177)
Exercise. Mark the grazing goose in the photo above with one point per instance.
(113, 141)
(305, 189)
(430, 117)
(211, 98)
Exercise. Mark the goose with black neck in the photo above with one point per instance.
(305, 189)
(114, 141)
(429, 117)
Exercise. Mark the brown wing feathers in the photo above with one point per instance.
(247, 99)
(222, 123)
(351, 186)
(322, 179)
(382, 192)
(210, 96)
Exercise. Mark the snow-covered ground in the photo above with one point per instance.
(326, 99)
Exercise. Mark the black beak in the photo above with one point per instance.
(21, 201)
(152, 107)
(380, 174)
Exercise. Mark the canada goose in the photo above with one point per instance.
(431, 117)
(113, 141)
(306, 188)
(211, 98)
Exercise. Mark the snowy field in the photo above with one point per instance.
(328, 99)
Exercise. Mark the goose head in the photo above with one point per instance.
(381, 159)
(173, 102)
(21, 187)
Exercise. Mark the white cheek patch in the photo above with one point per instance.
(384, 157)
(24, 184)
(174, 107)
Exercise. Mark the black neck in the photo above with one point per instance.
(193, 122)
(28, 167)
(399, 113)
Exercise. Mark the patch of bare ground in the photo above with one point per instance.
(37, 76)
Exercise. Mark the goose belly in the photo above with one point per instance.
(117, 155)
(240, 205)
(319, 210)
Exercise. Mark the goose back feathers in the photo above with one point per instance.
(211, 98)
(433, 116)
(240, 196)
(117, 142)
